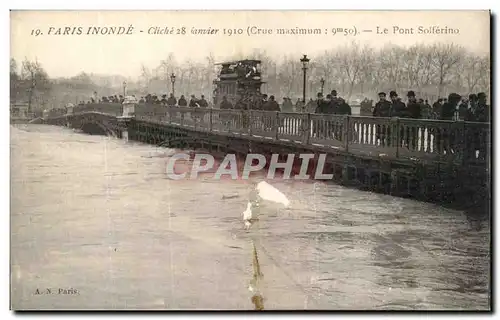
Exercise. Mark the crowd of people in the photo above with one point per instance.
(471, 108)
(455, 107)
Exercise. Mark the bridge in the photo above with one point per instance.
(430, 160)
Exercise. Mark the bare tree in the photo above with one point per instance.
(367, 60)
(36, 79)
(474, 69)
(145, 76)
(14, 80)
(287, 75)
(446, 57)
(350, 61)
(353, 69)
(424, 69)
(209, 75)
(391, 62)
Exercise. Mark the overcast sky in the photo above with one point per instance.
(67, 55)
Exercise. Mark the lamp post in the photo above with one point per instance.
(124, 89)
(305, 62)
(322, 81)
(172, 79)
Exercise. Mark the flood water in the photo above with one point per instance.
(99, 216)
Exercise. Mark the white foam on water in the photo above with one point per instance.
(270, 193)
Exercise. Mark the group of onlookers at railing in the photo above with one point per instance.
(471, 108)
(474, 108)
(454, 108)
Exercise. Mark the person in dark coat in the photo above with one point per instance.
(398, 110)
(436, 109)
(398, 106)
(225, 117)
(426, 110)
(471, 108)
(449, 107)
(334, 96)
(244, 103)
(163, 100)
(342, 107)
(202, 102)
(446, 139)
(171, 101)
(271, 105)
(225, 104)
(323, 106)
(463, 108)
(193, 104)
(255, 102)
(156, 100)
(182, 101)
(414, 110)
(338, 104)
(264, 99)
(287, 105)
(472, 136)
(299, 106)
(310, 106)
(328, 107)
(383, 109)
(482, 112)
(183, 104)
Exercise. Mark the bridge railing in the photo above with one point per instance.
(436, 140)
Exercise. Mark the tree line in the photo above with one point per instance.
(354, 70)
(28, 83)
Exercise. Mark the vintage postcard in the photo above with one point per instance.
(250, 160)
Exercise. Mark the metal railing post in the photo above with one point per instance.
(395, 134)
(277, 125)
(346, 132)
(210, 118)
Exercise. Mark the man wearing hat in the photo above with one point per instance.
(398, 110)
(450, 107)
(383, 109)
(482, 112)
(398, 106)
(414, 110)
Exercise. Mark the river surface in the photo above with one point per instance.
(99, 215)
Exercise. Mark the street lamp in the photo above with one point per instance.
(322, 84)
(124, 89)
(305, 62)
(172, 79)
